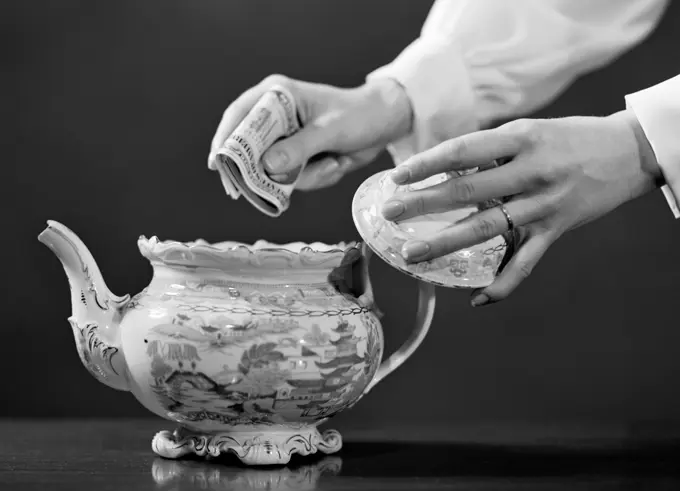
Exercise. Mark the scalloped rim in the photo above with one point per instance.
(155, 249)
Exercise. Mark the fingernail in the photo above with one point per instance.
(415, 250)
(275, 162)
(280, 178)
(332, 167)
(479, 300)
(392, 209)
(400, 175)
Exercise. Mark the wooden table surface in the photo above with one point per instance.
(116, 455)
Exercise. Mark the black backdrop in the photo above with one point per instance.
(113, 109)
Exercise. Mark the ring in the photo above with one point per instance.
(511, 224)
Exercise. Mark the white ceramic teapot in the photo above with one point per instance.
(247, 348)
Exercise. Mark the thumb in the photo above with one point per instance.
(291, 153)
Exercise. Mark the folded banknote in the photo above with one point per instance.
(239, 163)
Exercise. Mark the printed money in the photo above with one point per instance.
(238, 161)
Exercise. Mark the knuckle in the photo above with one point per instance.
(549, 205)
(342, 136)
(462, 190)
(524, 129)
(536, 172)
(483, 228)
(546, 175)
(538, 205)
(498, 295)
(524, 269)
(284, 155)
(415, 167)
(457, 148)
(277, 79)
(289, 153)
(418, 204)
(538, 179)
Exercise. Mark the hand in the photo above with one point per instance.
(342, 129)
(562, 173)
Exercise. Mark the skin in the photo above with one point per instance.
(342, 129)
(559, 174)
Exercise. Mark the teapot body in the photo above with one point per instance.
(248, 348)
(220, 350)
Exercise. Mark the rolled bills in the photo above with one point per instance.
(238, 161)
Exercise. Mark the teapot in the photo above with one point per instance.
(245, 348)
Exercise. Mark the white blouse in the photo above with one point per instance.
(477, 61)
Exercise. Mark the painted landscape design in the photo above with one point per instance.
(279, 370)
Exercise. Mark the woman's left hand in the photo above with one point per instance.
(561, 174)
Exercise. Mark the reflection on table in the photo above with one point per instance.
(99, 455)
(193, 474)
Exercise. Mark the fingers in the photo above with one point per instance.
(322, 174)
(291, 153)
(325, 131)
(517, 270)
(464, 152)
(475, 229)
(233, 115)
(498, 182)
(330, 170)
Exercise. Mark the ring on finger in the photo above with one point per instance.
(508, 217)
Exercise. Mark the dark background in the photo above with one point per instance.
(114, 107)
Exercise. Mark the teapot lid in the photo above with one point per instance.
(473, 267)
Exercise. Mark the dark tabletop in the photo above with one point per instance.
(113, 455)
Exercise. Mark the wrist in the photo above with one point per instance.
(392, 107)
(648, 162)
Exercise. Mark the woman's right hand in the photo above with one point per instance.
(560, 174)
(342, 129)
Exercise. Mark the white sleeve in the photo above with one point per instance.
(481, 60)
(658, 111)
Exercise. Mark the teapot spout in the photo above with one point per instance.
(96, 312)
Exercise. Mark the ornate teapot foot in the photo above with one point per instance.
(251, 447)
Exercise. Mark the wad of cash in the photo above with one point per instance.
(238, 161)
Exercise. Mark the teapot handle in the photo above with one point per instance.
(424, 315)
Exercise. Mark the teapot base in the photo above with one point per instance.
(251, 447)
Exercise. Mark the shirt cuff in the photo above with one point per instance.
(437, 83)
(658, 111)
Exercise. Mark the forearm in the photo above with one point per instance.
(477, 61)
